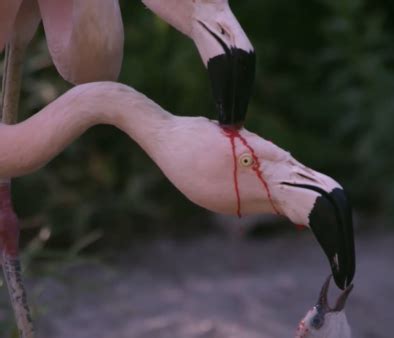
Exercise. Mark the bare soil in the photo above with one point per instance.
(212, 288)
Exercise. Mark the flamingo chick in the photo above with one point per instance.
(224, 170)
(323, 321)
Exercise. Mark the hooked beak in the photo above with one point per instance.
(223, 46)
(322, 305)
(331, 222)
(231, 69)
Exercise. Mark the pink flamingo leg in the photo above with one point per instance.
(9, 236)
(9, 224)
(25, 25)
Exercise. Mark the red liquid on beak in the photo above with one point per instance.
(300, 227)
(232, 134)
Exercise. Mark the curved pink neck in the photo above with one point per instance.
(29, 145)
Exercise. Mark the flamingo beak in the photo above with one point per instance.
(232, 78)
(232, 74)
(331, 222)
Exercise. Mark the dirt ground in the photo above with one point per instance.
(212, 288)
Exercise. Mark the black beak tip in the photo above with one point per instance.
(342, 278)
(331, 222)
(232, 78)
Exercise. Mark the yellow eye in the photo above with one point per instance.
(246, 160)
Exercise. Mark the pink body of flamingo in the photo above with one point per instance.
(227, 170)
(196, 155)
(85, 40)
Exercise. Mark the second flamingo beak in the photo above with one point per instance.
(232, 73)
(232, 78)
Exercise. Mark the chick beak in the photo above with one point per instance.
(322, 303)
(341, 301)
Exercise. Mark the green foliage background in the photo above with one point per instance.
(324, 91)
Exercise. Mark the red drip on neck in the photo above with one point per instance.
(233, 133)
(257, 169)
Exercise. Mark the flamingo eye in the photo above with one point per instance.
(246, 160)
(317, 322)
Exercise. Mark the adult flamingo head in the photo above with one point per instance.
(224, 170)
(223, 46)
(236, 171)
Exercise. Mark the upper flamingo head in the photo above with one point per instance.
(190, 17)
(212, 166)
(223, 46)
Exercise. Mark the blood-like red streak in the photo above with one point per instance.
(232, 134)
(257, 169)
(300, 227)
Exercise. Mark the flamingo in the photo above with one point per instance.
(225, 170)
(322, 321)
(224, 49)
(228, 162)
(26, 22)
(85, 40)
